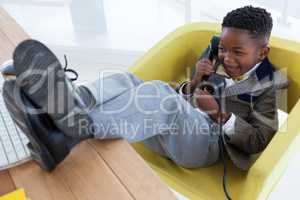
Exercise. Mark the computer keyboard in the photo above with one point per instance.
(13, 142)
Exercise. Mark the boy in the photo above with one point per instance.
(123, 106)
(250, 108)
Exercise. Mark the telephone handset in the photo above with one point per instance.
(211, 54)
(213, 49)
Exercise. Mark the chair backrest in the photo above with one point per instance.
(267, 170)
(181, 48)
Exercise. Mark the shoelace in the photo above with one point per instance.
(70, 70)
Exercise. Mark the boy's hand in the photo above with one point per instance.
(207, 103)
(203, 67)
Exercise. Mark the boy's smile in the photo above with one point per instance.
(239, 52)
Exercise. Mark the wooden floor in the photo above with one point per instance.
(95, 169)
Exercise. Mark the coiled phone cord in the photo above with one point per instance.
(221, 142)
(221, 146)
(217, 91)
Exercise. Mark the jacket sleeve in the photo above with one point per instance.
(253, 134)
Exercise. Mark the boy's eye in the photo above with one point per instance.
(239, 53)
(220, 48)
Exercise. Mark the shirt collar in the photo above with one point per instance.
(247, 74)
(221, 71)
(243, 77)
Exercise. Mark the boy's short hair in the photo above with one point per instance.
(254, 19)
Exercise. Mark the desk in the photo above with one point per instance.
(95, 169)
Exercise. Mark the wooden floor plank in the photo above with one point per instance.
(14, 32)
(7, 183)
(6, 48)
(89, 177)
(40, 185)
(10, 35)
(132, 170)
(83, 175)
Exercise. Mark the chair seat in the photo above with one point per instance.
(200, 183)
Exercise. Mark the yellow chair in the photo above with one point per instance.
(170, 60)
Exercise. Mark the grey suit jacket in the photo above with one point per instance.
(253, 101)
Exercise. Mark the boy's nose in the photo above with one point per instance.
(228, 58)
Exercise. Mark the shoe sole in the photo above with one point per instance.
(36, 67)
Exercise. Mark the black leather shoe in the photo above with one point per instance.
(43, 79)
(48, 145)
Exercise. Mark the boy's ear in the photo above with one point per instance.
(264, 52)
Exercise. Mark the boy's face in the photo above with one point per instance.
(239, 52)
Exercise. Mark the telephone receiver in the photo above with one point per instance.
(211, 54)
